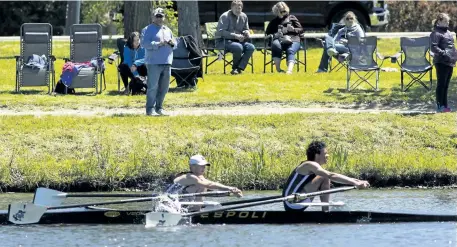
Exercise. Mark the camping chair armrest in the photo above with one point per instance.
(66, 59)
(394, 58)
(380, 56)
(52, 57)
(17, 57)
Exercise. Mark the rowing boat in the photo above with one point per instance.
(95, 215)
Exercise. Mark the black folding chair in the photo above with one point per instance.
(267, 51)
(187, 63)
(340, 58)
(361, 53)
(414, 62)
(218, 53)
(118, 58)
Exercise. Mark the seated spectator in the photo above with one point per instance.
(133, 64)
(338, 44)
(234, 28)
(285, 29)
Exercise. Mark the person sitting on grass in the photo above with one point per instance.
(339, 44)
(131, 66)
(194, 181)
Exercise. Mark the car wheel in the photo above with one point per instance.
(339, 18)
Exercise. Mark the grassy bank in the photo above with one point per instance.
(217, 89)
(252, 152)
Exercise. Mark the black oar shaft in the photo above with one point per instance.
(249, 200)
(209, 194)
(281, 199)
(103, 203)
(139, 200)
(111, 195)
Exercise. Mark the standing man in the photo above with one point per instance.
(234, 28)
(309, 177)
(159, 43)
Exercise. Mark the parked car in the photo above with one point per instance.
(312, 14)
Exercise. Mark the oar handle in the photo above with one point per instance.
(294, 197)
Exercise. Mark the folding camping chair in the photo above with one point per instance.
(267, 51)
(187, 62)
(118, 57)
(218, 53)
(35, 39)
(414, 62)
(362, 51)
(340, 58)
(86, 45)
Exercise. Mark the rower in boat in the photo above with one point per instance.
(194, 181)
(309, 176)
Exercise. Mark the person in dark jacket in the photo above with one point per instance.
(133, 60)
(445, 56)
(286, 30)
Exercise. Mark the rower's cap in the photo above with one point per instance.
(159, 12)
(198, 160)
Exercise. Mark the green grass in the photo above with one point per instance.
(218, 89)
(252, 152)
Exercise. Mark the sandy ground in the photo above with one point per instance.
(239, 110)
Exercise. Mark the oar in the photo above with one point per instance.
(29, 213)
(171, 219)
(54, 198)
(250, 200)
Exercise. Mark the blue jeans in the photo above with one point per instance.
(277, 49)
(330, 43)
(242, 52)
(158, 84)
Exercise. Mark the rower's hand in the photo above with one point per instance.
(237, 192)
(362, 184)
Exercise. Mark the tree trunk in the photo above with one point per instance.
(189, 20)
(137, 15)
(73, 14)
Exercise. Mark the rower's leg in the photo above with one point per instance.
(317, 184)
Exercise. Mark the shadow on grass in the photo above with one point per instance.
(27, 92)
(182, 90)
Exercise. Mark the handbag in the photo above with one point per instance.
(284, 39)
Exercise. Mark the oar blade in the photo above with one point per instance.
(48, 197)
(25, 213)
(155, 219)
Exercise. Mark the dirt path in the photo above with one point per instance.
(257, 109)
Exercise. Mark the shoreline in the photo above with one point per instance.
(446, 181)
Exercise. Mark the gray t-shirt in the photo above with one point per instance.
(230, 24)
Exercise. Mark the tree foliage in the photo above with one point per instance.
(99, 12)
(417, 16)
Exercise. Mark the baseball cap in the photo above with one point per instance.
(198, 160)
(159, 11)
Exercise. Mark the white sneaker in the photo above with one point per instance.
(162, 112)
(332, 52)
(152, 113)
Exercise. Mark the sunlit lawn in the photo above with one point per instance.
(301, 88)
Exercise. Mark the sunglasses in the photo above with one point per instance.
(349, 18)
(283, 12)
(160, 16)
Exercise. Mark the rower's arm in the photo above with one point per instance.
(211, 185)
(336, 177)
